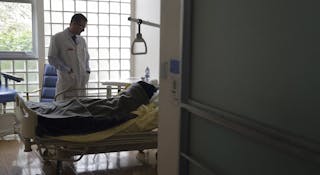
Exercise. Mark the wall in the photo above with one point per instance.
(148, 10)
(170, 47)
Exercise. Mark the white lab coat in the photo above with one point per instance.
(66, 55)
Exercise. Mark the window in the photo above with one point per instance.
(108, 34)
(19, 26)
(16, 39)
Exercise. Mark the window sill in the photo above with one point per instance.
(17, 56)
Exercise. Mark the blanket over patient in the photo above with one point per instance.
(85, 115)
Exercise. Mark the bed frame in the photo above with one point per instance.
(51, 149)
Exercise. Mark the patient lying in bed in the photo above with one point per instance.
(84, 115)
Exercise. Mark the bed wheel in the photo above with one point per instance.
(141, 156)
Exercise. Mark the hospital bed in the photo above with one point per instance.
(139, 133)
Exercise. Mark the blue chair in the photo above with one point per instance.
(7, 94)
(48, 83)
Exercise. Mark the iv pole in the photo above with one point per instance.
(139, 35)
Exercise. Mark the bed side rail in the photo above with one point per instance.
(26, 123)
(118, 142)
(106, 92)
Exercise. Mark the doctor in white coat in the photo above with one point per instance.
(68, 53)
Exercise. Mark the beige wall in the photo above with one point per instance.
(148, 10)
(169, 108)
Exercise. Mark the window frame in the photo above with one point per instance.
(37, 17)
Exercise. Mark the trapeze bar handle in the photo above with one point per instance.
(135, 42)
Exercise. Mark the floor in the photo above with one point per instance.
(14, 161)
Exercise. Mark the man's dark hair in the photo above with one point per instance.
(78, 18)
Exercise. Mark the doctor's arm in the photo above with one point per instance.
(54, 59)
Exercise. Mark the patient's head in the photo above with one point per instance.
(149, 88)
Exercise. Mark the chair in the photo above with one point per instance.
(7, 94)
(48, 83)
(47, 91)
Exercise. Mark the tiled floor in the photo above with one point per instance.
(14, 161)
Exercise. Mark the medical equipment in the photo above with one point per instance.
(139, 40)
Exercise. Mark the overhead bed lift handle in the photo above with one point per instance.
(139, 35)
(139, 39)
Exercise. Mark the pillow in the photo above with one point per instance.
(155, 98)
